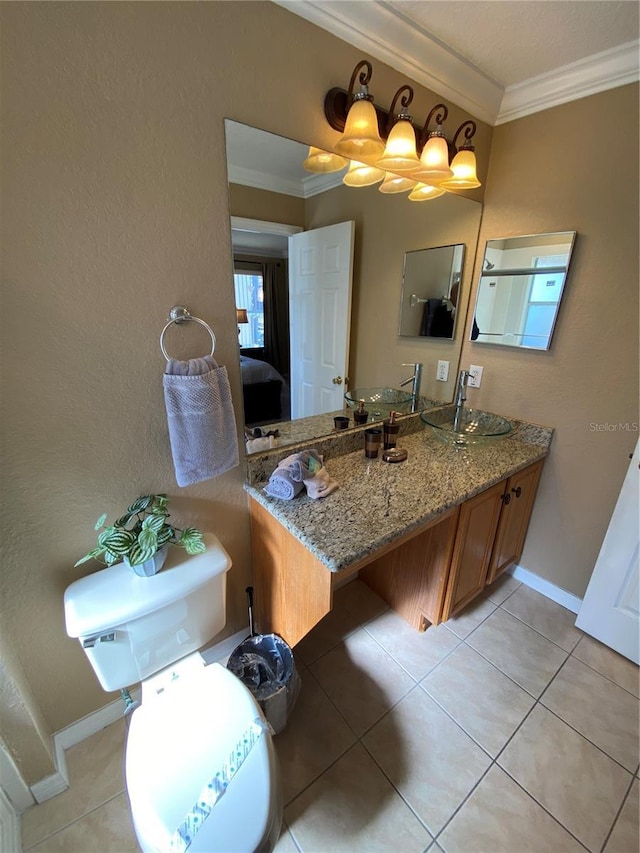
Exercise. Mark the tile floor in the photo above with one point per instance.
(506, 729)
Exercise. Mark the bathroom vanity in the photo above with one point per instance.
(427, 534)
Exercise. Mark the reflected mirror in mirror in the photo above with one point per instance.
(271, 198)
(430, 291)
(521, 286)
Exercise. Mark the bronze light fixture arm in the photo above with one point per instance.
(469, 128)
(363, 79)
(441, 117)
(395, 114)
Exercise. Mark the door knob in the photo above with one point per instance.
(337, 380)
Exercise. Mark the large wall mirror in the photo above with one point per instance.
(521, 286)
(273, 200)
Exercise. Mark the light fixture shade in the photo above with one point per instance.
(361, 175)
(400, 153)
(434, 161)
(396, 184)
(425, 192)
(464, 171)
(361, 137)
(324, 161)
(241, 315)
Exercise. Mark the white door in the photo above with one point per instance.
(610, 611)
(320, 275)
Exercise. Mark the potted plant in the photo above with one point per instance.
(141, 537)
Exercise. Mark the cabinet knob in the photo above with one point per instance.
(506, 498)
(517, 491)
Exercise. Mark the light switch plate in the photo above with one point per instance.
(476, 376)
(442, 372)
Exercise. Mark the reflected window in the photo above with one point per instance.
(249, 289)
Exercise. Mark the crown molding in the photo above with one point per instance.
(263, 181)
(606, 70)
(298, 188)
(385, 34)
(321, 182)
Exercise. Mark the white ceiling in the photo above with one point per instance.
(498, 59)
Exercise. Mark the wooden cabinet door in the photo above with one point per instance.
(477, 526)
(514, 520)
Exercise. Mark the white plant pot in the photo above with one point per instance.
(151, 566)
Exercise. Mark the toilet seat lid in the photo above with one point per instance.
(178, 740)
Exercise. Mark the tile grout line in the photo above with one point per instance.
(494, 762)
(522, 621)
(73, 822)
(602, 674)
(618, 813)
(573, 728)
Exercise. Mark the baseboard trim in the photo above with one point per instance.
(545, 587)
(48, 787)
(94, 722)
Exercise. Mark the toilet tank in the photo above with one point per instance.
(130, 626)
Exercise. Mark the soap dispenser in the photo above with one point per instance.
(361, 416)
(390, 431)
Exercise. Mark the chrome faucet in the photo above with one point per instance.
(415, 379)
(461, 396)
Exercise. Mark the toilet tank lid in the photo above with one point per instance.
(116, 595)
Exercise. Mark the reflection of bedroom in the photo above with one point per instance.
(261, 291)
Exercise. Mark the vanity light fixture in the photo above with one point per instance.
(364, 126)
(400, 152)
(396, 184)
(434, 159)
(425, 192)
(362, 175)
(324, 161)
(464, 163)
(361, 136)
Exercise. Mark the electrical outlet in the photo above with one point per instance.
(476, 376)
(442, 373)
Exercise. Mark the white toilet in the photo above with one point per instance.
(200, 767)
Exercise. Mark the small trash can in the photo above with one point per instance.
(265, 665)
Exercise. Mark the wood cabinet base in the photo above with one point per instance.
(412, 578)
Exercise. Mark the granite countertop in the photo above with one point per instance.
(377, 502)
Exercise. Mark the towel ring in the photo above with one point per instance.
(180, 314)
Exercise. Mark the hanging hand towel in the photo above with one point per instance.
(202, 423)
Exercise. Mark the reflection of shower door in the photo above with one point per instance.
(320, 275)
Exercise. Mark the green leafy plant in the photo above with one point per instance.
(143, 530)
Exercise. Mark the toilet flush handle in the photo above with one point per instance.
(89, 642)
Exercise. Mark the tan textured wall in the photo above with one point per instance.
(253, 203)
(115, 193)
(574, 167)
(387, 226)
(25, 735)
